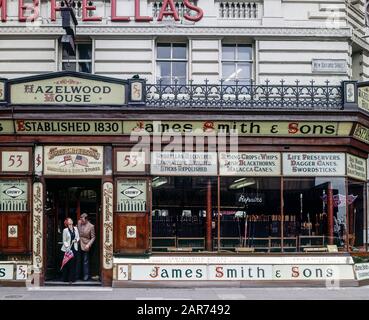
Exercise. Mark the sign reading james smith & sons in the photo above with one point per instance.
(66, 89)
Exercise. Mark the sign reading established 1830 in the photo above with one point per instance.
(66, 89)
(73, 160)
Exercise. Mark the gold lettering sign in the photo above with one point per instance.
(67, 90)
(242, 128)
(361, 133)
(363, 98)
(68, 127)
(76, 160)
(356, 167)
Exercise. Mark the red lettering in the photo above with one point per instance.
(293, 127)
(20, 125)
(219, 272)
(3, 7)
(138, 17)
(295, 272)
(190, 6)
(34, 7)
(85, 8)
(172, 12)
(114, 16)
(54, 8)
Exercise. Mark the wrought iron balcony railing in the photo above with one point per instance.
(245, 96)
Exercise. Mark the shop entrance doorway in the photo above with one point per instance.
(70, 198)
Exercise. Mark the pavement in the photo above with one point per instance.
(106, 293)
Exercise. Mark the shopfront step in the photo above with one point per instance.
(77, 283)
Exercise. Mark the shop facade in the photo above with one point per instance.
(191, 195)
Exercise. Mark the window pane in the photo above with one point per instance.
(179, 69)
(163, 69)
(244, 70)
(66, 56)
(179, 51)
(69, 66)
(306, 210)
(85, 51)
(85, 67)
(163, 51)
(244, 52)
(250, 213)
(229, 52)
(228, 71)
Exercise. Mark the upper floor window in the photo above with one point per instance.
(236, 63)
(171, 63)
(81, 61)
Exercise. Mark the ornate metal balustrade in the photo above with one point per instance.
(245, 96)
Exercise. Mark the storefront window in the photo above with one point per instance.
(315, 213)
(180, 208)
(250, 213)
(356, 215)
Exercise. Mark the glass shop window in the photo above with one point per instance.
(81, 61)
(180, 206)
(250, 214)
(314, 213)
(357, 235)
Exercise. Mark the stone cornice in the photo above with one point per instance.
(181, 30)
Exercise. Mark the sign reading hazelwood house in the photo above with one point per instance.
(64, 90)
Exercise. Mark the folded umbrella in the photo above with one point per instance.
(67, 256)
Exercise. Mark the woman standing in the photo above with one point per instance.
(70, 242)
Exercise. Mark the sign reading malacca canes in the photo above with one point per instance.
(13, 195)
(184, 163)
(73, 160)
(131, 195)
(108, 225)
(15, 161)
(314, 164)
(64, 90)
(251, 164)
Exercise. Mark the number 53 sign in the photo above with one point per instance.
(15, 161)
(130, 161)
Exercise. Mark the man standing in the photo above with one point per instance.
(87, 237)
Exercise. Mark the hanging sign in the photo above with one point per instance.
(62, 90)
(363, 98)
(356, 167)
(131, 195)
(13, 195)
(314, 164)
(184, 163)
(249, 164)
(15, 161)
(73, 160)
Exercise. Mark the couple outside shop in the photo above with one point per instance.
(77, 242)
